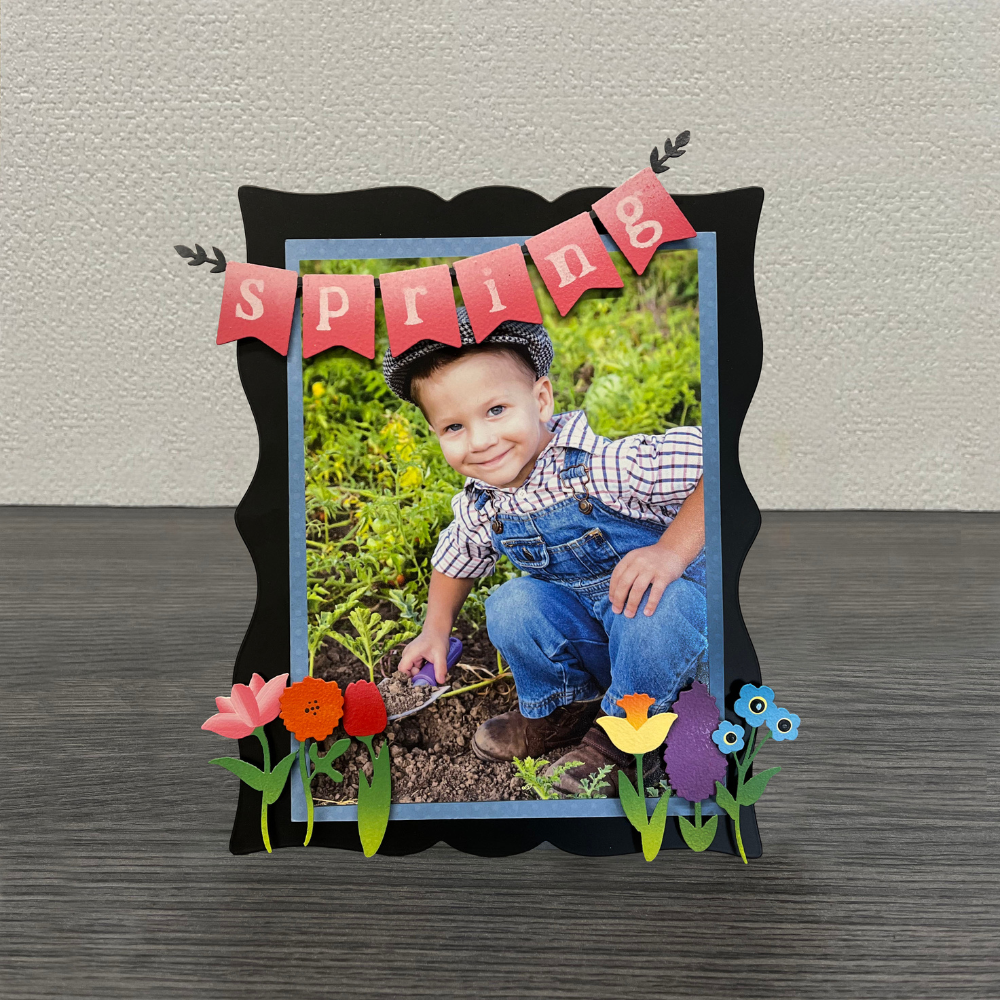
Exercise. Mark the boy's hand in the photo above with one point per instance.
(428, 646)
(654, 567)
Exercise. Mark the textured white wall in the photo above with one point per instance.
(127, 127)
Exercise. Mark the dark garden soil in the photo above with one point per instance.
(432, 759)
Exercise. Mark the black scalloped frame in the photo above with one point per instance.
(270, 218)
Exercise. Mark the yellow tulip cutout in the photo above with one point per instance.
(639, 733)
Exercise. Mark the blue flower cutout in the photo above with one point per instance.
(784, 725)
(755, 704)
(729, 738)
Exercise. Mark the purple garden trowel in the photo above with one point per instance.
(425, 676)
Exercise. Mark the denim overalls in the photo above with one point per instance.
(556, 627)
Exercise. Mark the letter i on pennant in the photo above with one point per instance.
(496, 287)
(419, 305)
(259, 302)
(639, 215)
(338, 310)
(571, 259)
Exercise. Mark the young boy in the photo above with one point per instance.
(609, 534)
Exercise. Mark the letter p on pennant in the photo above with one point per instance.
(258, 301)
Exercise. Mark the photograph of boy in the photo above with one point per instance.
(609, 537)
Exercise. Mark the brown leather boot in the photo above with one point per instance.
(596, 751)
(512, 735)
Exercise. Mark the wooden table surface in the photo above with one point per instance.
(880, 875)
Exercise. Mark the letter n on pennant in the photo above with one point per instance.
(419, 305)
(338, 310)
(571, 259)
(496, 287)
(639, 216)
(257, 301)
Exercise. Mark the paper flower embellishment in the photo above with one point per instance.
(638, 732)
(364, 712)
(312, 708)
(729, 738)
(784, 725)
(693, 761)
(754, 704)
(364, 717)
(247, 707)
(246, 711)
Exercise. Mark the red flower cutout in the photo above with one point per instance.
(364, 710)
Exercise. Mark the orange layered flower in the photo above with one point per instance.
(312, 707)
(638, 732)
(636, 708)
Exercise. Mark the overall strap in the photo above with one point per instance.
(575, 475)
(575, 464)
(479, 496)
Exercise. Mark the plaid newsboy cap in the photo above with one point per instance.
(533, 337)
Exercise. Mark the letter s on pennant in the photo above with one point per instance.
(338, 310)
(270, 294)
(571, 258)
(639, 216)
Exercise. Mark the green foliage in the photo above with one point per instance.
(590, 787)
(323, 763)
(696, 835)
(378, 490)
(531, 773)
(651, 828)
(375, 637)
(270, 783)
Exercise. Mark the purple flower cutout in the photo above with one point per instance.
(694, 762)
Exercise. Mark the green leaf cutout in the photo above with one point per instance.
(253, 776)
(634, 806)
(374, 800)
(323, 763)
(754, 788)
(726, 800)
(652, 838)
(698, 838)
(277, 778)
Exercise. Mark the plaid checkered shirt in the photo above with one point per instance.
(645, 476)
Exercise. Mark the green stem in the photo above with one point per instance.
(478, 684)
(312, 659)
(307, 788)
(763, 740)
(697, 814)
(259, 733)
(640, 785)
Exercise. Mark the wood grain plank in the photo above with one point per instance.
(880, 874)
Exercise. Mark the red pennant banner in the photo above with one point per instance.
(571, 259)
(639, 216)
(258, 301)
(419, 305)
(338, 310)
(496, 287)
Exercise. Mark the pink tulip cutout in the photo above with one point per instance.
(247, 707)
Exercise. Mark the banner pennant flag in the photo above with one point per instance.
(419, 305)
(496, 287)
(338, 310)
(258, 301)
(639, 216)
(571, 259)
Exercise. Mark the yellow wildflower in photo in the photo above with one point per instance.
(636, 733)
(318, 389)
(410, 478)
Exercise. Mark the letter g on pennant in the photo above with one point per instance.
(639, 215)
(257, 301)
(571, 258)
